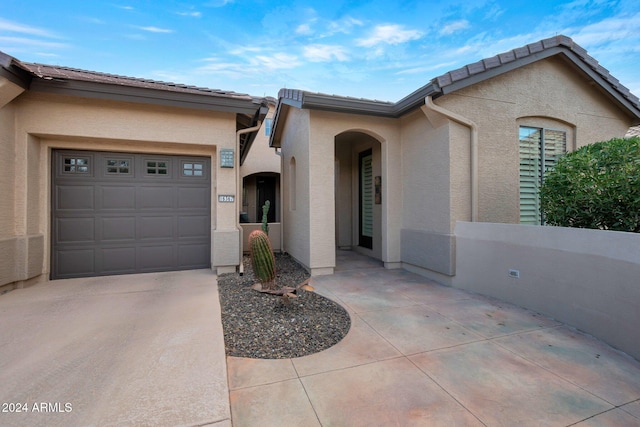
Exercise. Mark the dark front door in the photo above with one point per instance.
(365, 161)
(119, 213)
(266, 189)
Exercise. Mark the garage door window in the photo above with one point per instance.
(119, 166)
(192, 169)
(157, 167)
(76, 165)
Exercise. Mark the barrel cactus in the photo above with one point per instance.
(262, 259)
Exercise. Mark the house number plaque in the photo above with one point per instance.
(226, 198)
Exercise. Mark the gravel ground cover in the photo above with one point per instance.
(264, 326)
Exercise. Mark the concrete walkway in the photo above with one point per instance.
(420, 354)
(135, 350)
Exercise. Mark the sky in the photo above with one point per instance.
(366, 49)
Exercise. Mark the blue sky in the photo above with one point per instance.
(378, 50)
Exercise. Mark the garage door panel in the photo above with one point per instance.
(75, 262)
(194, 255)
(155, 227)
(120, 260)
(75, 197)
(118, 228)
(193, 226)
(156, 258)
(118, 197)
(158, 197)
(75, 230)
(193, 198)
(124, 213)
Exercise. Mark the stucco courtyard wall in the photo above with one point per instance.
(585, 278)
(44, 122)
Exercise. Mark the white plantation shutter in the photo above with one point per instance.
(367, 196)
(539, 153)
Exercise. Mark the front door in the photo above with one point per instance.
(365, 234)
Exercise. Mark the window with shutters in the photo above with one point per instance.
(366, 199)
(540, 149)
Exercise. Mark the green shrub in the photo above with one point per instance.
(596, 186)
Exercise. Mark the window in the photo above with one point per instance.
(539, 151)
(75, 165)
(118, 166)
(192, 169)
(157, 167)
(267, 126)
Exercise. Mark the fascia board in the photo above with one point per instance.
(347, 105)
(145, 95)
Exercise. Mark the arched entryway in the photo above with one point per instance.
(256, 190)
(358, 193)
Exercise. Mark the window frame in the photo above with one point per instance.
(541, 167)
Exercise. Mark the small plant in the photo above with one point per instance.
(265, 212)
(264, 267)
(262, 259)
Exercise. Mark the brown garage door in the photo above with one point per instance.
(120, 213)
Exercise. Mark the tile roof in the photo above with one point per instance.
(52, 72)
(530, 50)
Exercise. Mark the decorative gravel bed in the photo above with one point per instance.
(263, 326)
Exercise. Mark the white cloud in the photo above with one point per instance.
(454, 27)
(389, 34)
(325, 53)
(153, 29)
(19, 42)
(343, 25)
(218, 3)
(428, 68)
(125, 7)
(15, 27)
(194, 14)
(304, 29)
(609, 30)
(277, 61)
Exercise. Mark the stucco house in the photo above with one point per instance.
(104, 174)
(391, 180)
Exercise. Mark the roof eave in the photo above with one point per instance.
(259, 116)
(241, 105)
(315, 101)
(12, 71)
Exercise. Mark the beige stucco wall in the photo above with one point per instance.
(546, 93)
(325, 127)
(44, 122)
(295, 194)
(586, 278)
(7, 182)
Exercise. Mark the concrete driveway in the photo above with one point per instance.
(142, 349)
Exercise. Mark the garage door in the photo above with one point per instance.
(121, 213)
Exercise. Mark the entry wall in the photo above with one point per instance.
(325, 126)
(585, 278)
(43, 122)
